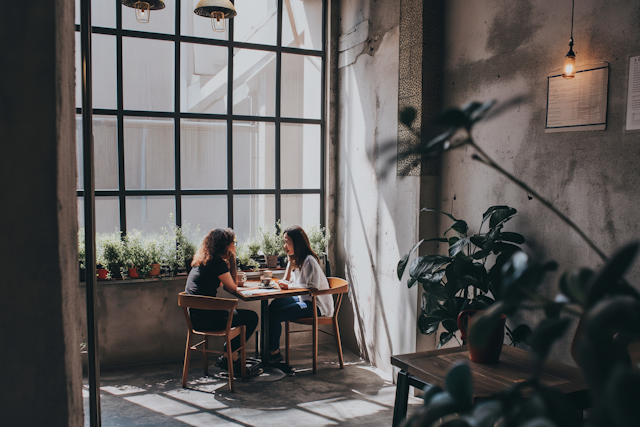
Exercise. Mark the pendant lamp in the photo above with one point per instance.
(570, 59)
(143, 8)
(217, 10)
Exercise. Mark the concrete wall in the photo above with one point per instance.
(140, 322)
(40, 357)
(500, 49)
(374, 216)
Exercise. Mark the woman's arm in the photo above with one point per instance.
(228, 282)
(287, 273)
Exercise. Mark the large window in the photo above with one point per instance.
(218, 129)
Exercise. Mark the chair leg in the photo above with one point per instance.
(230, 365)
(187, 357)
(206, 356)
(243, 353)
(336, 331)
(315, 348)
(286, 327)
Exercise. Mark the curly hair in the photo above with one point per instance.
(301, 246)
(216, 243)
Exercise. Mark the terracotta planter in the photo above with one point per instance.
(490, 351)
(133, 273)
(272, 261)
(103, 273)
(155, 270)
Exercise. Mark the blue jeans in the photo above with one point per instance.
(284, 309)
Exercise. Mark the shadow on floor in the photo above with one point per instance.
(151, 395)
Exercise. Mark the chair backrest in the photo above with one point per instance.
(206, 303)
(340, 287)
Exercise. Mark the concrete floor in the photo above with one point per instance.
(151, 395)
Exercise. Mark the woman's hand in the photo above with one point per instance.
(284, 284)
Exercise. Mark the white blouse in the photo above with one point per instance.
(312, 276)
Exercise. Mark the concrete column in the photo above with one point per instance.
(40, 352)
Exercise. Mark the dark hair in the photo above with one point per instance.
(216, 243)
(301, 246)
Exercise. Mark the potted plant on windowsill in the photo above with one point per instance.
(319, 240)
(154, 249)
(245, 262)
(179, 246)
(110, 249)
(270, 243)
(135, 256)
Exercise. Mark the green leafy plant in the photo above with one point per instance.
(135, 254)
(318, 238)
(462, 279)
(253, 246)
(110, 249)
(270, 241)
(245, 262)
(81, 249)
(179, 244)
(608, 308)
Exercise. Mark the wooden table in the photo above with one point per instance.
(431, 367)
(264, 318)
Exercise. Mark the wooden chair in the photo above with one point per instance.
(212, 303)
(336, 286)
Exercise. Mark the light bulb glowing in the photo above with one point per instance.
(570, 62)
(218, 22)
(143, 12)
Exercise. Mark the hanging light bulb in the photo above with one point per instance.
(218, 11)
(143, 8)
(142, 12)
(570, 59)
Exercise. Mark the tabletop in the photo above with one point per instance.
(268, 294)
(514, 366)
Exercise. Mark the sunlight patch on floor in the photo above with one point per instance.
(342, 409)
(122, 389)
(161, 404)
(279, 418)
(387, 396)
(205, 420)
(198, 398)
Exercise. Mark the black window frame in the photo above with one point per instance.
(177, 115)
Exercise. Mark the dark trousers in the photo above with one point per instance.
(284, 309)
(216, 320)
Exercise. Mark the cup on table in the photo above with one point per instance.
(267, 273)
(242, 277)
(266, 281)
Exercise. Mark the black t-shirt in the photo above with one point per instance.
(204, 280)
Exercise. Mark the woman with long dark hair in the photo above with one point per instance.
(303, 271)
(214, 264)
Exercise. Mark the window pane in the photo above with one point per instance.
(301, 84)
(103, 61)
(203, 154)
(300, 155)
(107, 214)
(149, 213)
(204, 212)
(103, 13)
(251, 213)
(302, 24)
(254, 82)
(148, 74)
(149, 153)
(256, 21)
(254, 152)
(160, 21)
(203, 78)
(300, 209)
(105, 156)
(198, 26)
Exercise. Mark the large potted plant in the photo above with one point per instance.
(135, 257)
(462, 280)
(154, 248)
(607, 305)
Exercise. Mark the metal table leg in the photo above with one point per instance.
(402, 399)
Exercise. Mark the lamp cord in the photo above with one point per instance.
(573, 3)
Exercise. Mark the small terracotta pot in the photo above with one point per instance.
(272, 260)
(490, 351)
(133, 273)
(155, 270)
(103, 273)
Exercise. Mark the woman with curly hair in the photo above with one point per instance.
(303, 271)
(214, 264)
